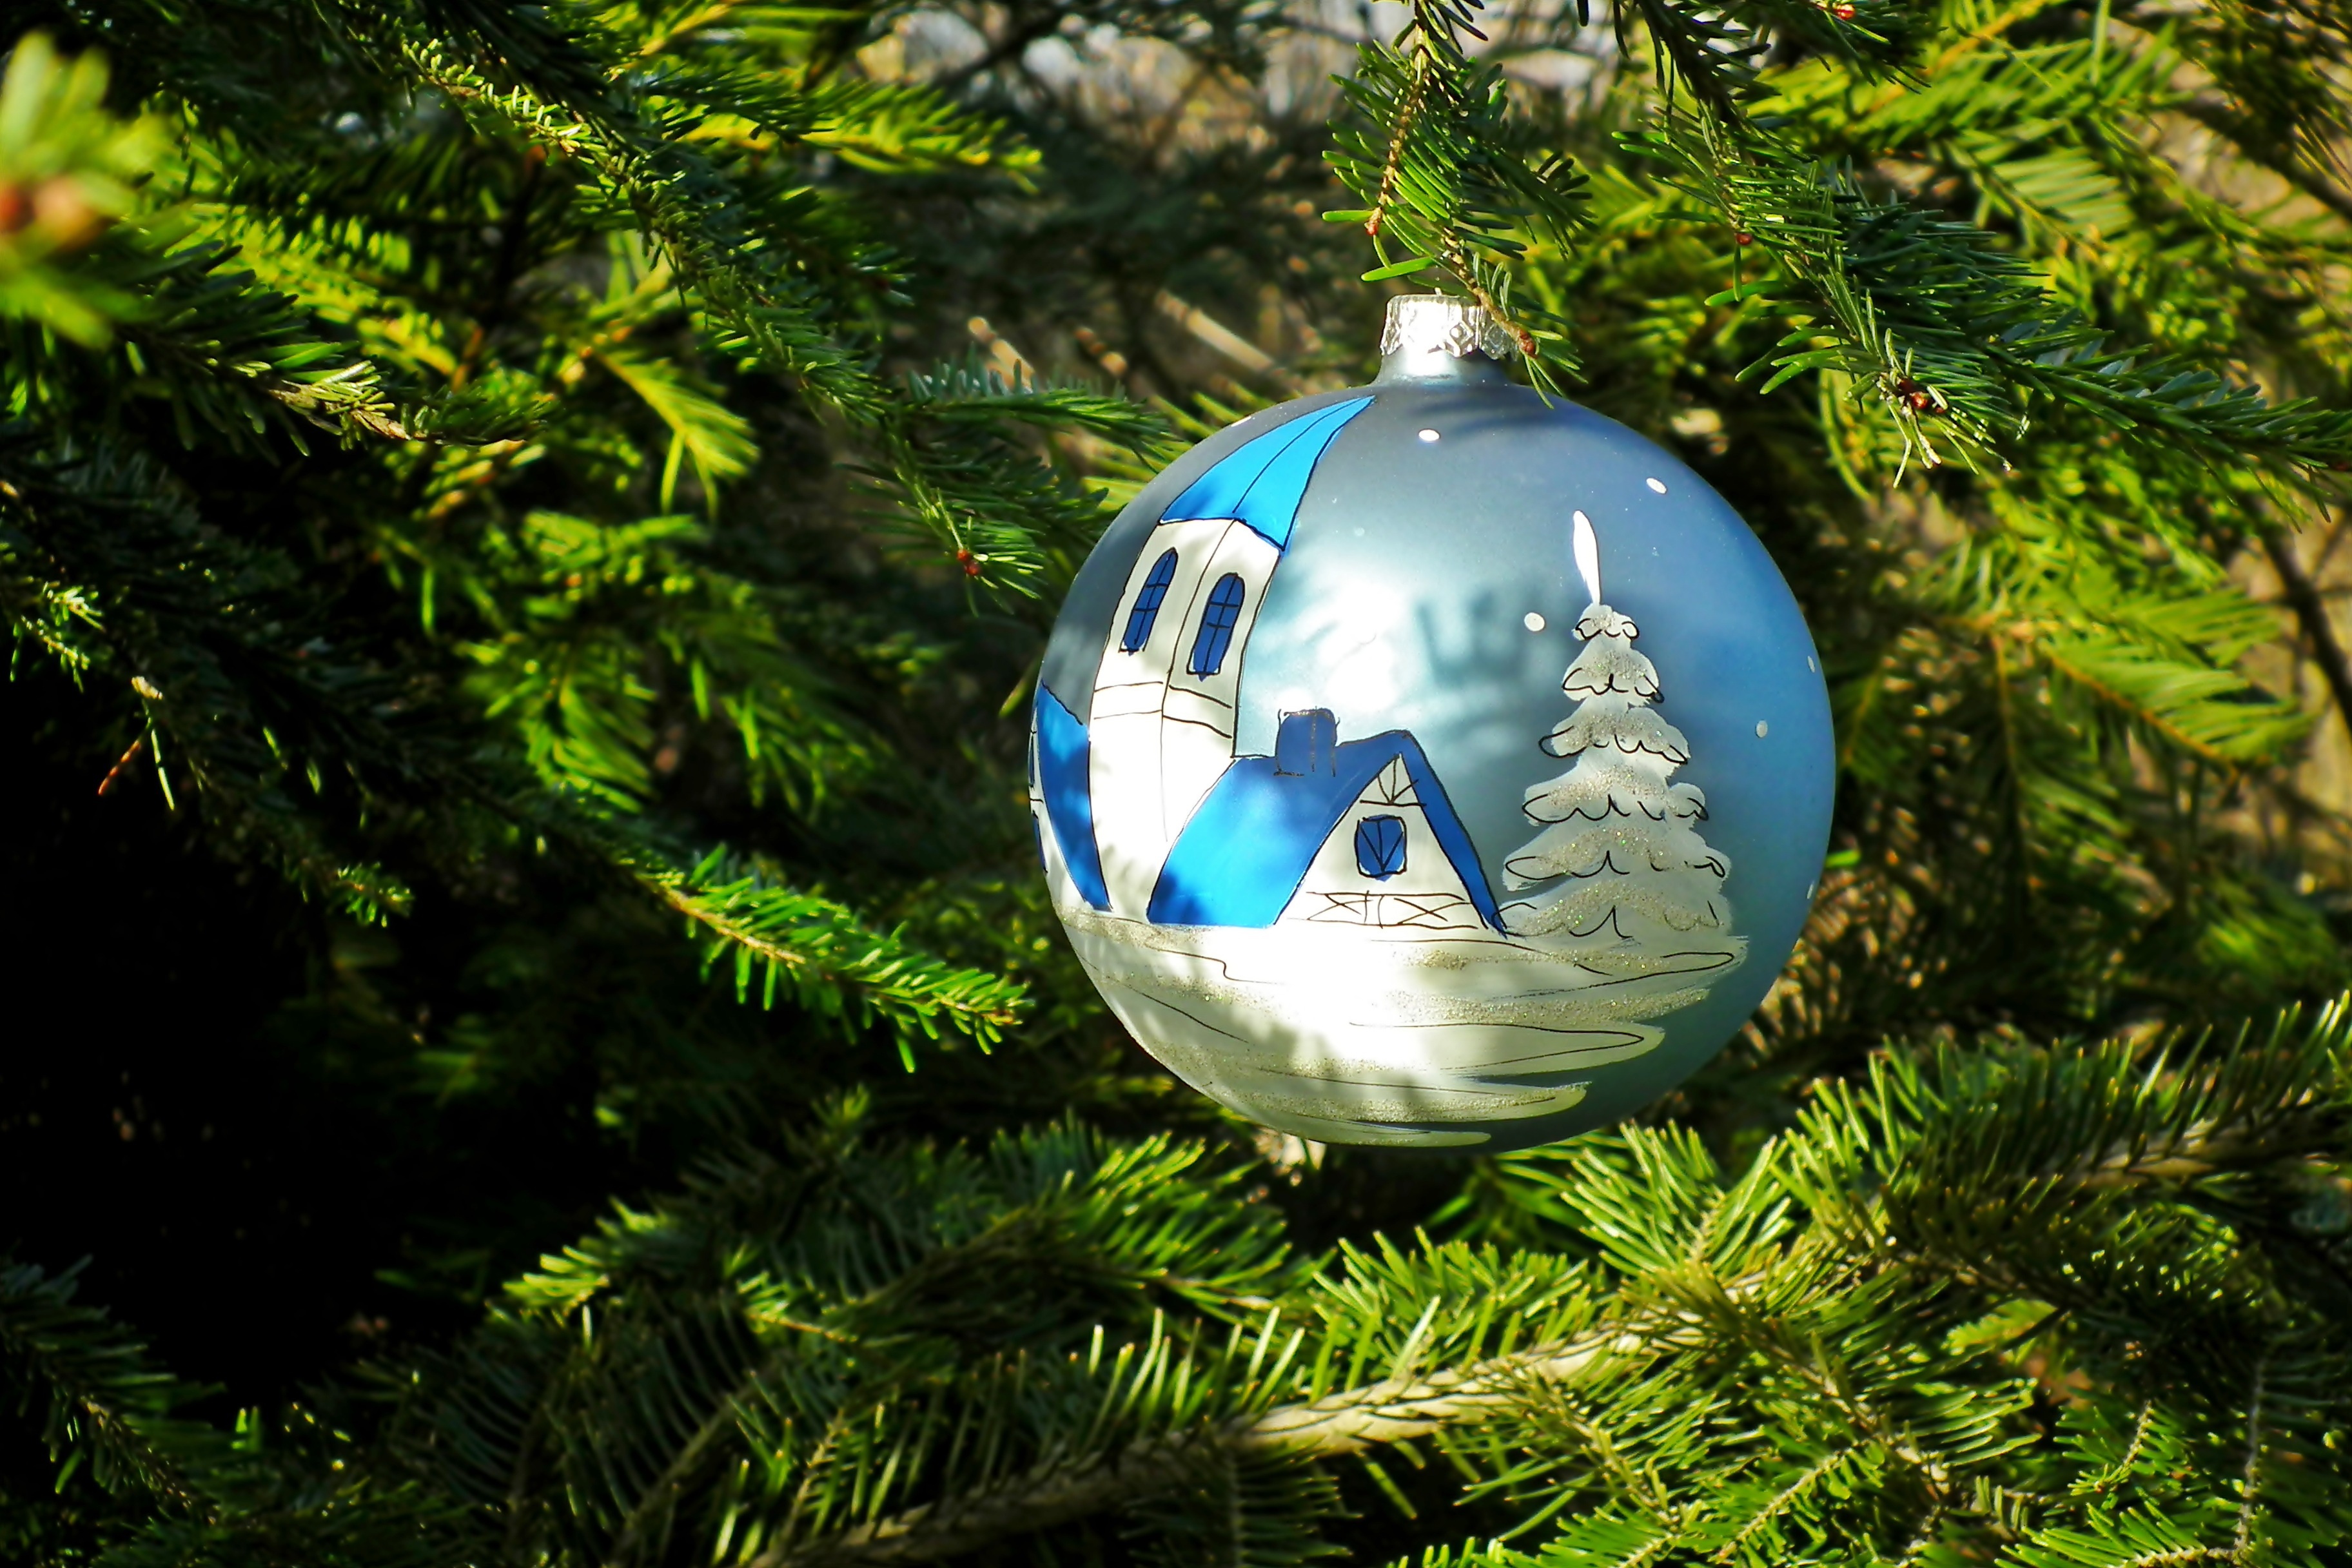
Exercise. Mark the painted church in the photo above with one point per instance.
(1142, 804)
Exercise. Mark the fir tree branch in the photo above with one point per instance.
(834, 964)
(99, 1401)
(1348, 1422)
(1957, 341)
(1454, 183)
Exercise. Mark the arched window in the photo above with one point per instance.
(1217, 624)
(1380, 847)
(1146, 604)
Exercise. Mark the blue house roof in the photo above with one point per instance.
(1261, 482)
(1241, 858)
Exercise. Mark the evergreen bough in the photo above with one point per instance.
(469, 457)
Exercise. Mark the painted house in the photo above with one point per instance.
(1142, 804)
(1328, 833)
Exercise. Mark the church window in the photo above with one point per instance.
(1147, 600)
(1380, 847)
(1217, 624)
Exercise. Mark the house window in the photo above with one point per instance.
(1217, 624)
(1380, 847)
(1146, 604)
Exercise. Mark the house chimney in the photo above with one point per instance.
(1306, 743)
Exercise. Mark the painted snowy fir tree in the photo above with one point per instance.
(1619, 861)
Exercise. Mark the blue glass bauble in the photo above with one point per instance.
(1428, 764)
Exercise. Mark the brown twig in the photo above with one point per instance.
(1407, 112)
(2311, 614)
(121, 762)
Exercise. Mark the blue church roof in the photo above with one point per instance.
(1061, 767)
(1261, 482)
(1241, 858)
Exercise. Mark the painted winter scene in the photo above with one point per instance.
(1310, 936)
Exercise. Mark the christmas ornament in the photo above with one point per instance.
(1330, 828)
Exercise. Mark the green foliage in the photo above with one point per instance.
(1449, 176)
(97, 1401)
(2044, 1306)
(2058, 1306)
(65, 162)
(641, 244)
(527, 533)
(829, 959)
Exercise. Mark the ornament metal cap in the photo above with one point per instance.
(1435, 337)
